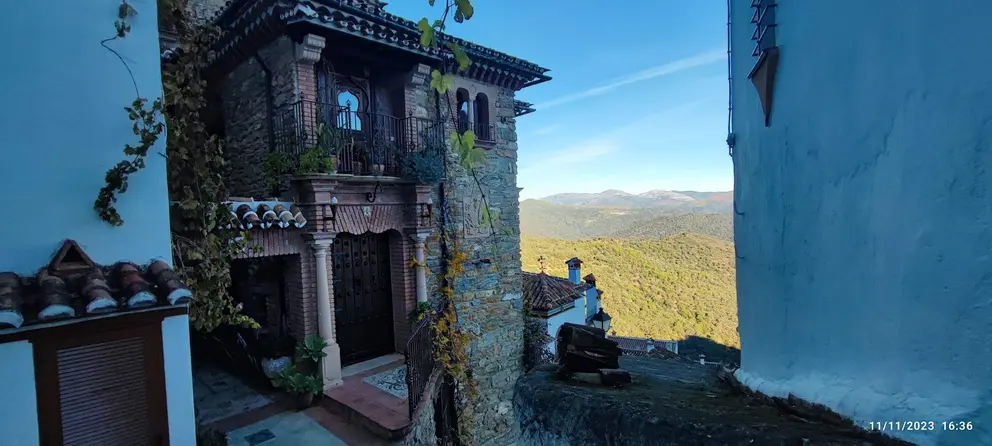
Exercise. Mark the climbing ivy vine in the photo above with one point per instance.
(203, 246)
(452, 341)
(146, 124)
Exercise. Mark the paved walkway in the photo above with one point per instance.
(250, 417)
(285, 429)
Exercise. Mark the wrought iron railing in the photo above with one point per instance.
(360, 143)
(420, 362)
(485, 132)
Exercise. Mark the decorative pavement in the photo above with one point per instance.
(391, 381)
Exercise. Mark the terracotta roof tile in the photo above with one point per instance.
(545, 293)
(57, 292)
(265, 215)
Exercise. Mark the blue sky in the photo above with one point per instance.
(639, 95)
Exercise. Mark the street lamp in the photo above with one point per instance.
(602, 320)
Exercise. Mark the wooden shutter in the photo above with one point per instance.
(103, 389)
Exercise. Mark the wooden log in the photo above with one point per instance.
(248, 217)
(285, 217)
(170, 287)
(55, 300)
(11, 301)
(584, 349)
(97, 293)
(135, 290)
(269, 217)
(298, 216)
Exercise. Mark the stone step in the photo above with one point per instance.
(372, 417)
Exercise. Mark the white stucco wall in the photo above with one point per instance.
(178, 380)
(63, 125)
(863, 228)
(19, 417)
(575, 315)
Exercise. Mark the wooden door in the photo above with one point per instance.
(102, 389)
(362, 296)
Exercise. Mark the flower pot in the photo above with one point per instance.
(304, 401)
(332, 162)
(378, 169)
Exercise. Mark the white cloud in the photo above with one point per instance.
(650, 73)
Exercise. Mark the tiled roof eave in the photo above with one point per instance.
(397, 45)
(248, 27)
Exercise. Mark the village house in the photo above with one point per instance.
(861, 164)
(559, 300)
(94, 332)
(343, 176)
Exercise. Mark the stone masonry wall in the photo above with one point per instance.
(247, 119)
(488, 297)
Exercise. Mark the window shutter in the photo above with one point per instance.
(102, 389)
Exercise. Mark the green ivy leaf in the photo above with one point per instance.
(468, 139)
(426, 33)
(463, 61)
(441, 82)
(464, 10)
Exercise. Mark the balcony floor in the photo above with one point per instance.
(374, 395)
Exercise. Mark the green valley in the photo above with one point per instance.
(667, 288)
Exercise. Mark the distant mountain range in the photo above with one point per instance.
(683, 201)
(615, 213)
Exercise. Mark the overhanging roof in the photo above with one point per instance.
(248, 25)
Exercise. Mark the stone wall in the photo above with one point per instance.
(247, 115)
(488, 296)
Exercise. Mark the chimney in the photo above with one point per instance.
(574, 270)
(592, 296)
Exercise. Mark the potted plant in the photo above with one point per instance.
(302, 387)
(327, 141)
(310, 352)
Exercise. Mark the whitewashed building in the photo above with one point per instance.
(863, 218)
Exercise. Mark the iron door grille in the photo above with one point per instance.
(103, 391)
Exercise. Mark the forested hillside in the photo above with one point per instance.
(667, 288)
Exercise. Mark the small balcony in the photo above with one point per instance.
(329, 138)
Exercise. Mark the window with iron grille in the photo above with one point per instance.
(763, 19)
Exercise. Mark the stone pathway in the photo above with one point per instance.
(285, 429)
(218, 395)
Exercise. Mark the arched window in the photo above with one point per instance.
(483, 130)
(349, 105)
(462, 97)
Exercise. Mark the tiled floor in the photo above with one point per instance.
(218, 395)
(379, 406)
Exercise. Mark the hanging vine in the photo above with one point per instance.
(203, 248)
(146, 124)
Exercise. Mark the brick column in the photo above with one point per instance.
(330, 366)
(419, 239)
(418, 93)
(307, 55)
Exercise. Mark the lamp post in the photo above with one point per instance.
(602, 320)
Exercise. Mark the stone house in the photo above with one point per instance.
(94, 338)
(347, 247)
(861, 164)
